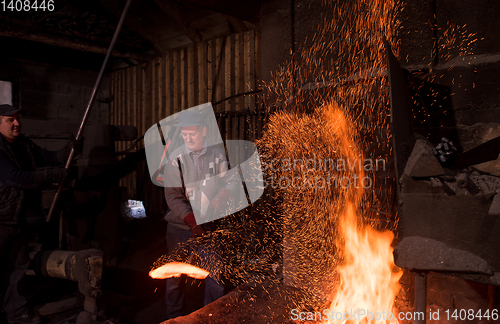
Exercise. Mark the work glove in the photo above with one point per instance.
(76, 144)
(219, 203)
(46, 177)
(196, 229)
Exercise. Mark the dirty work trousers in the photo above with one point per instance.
(14, 262)
(177, 238)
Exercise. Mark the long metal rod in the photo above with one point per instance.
(420, 297)
(91, 102)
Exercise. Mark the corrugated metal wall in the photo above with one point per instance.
(212, 71)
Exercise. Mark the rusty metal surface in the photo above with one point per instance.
(400, 112)
(482, 153)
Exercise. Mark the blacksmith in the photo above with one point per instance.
(20, 201)
(204, 189)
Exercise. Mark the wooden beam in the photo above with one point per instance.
(133, 24)
(242, 9)
(66, 42)
(237, 25)
(179, 18)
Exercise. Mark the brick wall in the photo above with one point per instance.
(54, 99)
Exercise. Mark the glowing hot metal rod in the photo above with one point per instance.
(176, 269)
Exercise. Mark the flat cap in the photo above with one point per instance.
(7, 110)
(190, 118)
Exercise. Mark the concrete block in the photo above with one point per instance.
(422, 162)
(461, 221)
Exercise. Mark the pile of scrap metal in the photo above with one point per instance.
(448, 218)
(449, 211)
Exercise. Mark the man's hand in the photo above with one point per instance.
(57, 174)
(61, 173)
(47, 177)
(219, 203)
(77, 144)
(196, 229)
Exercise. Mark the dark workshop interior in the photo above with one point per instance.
(411, 84)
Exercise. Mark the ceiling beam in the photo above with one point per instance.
(80, 45)
(179, 18)
(237, 25)
(247, 10)
(133, 24)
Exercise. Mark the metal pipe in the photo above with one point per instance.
(91, 102)
(84, 267)
(420, 297)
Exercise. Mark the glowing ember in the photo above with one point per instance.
(176, 269)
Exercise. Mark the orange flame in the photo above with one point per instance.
(176, 269)
(369, 280)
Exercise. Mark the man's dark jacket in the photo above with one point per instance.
(17, 176)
